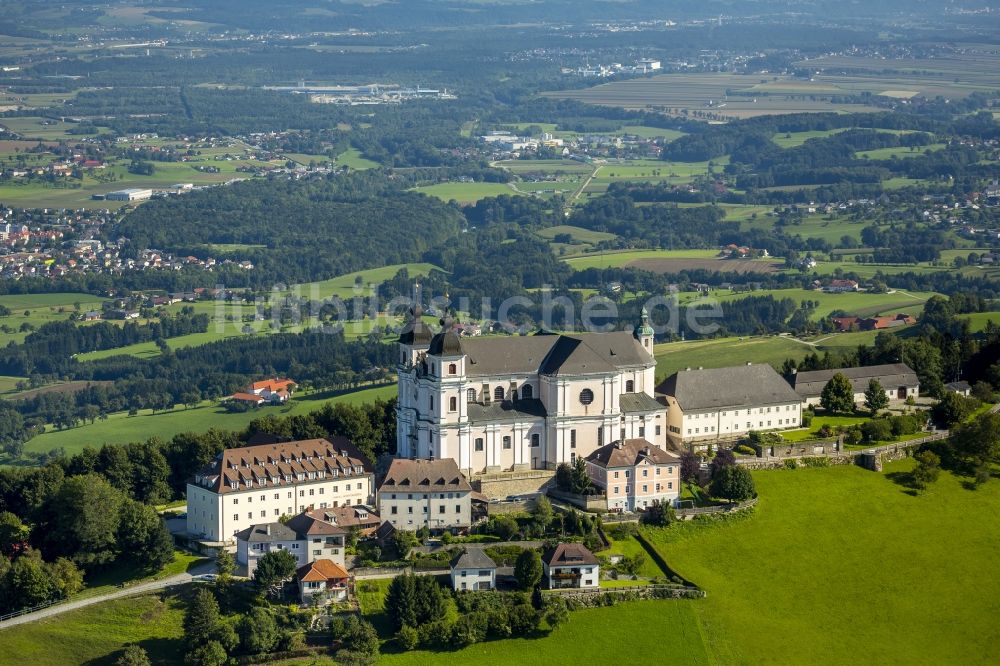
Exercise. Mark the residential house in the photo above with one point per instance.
(570, 565)
(961, 388)
(882, 323)
(273, 390)
(634, 474)
(472, 569)
(898, 380)
(244, 485)
(247, 399)
(307, 539)
(508, 404)
(727, 403)
(352, 517)
(322, 580)
(425, 493)
(838, 286)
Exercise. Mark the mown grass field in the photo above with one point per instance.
(465, 193)
(120, 428)
(618, 259)
(858, 303)
(96, 634)
(841, 564)
(352, 158)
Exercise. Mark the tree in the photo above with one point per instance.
(660, 513)
(144, 537)
(733, 483)
(954, 408)
(273, 569)
(690, 464)
(201, 619)
(528, 569)
(13, 534)
(875, 398)
(258, 631)
(65, 578)
(503, 526)
(724, 458)
(81, 520)
(28, 582)
(224, 563)
(523, 619)
(541, 514)
(877, 430)
(927, 470)
(415, 601)
(133, 655)
(838, 395)
(358, 639)
(978, 443)
(207, 654)
(555, 612)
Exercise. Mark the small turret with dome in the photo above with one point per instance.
(415, 337)
(644, 333)
(447, 342)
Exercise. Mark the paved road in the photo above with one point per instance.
(141, 588)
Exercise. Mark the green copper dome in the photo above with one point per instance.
(643, 329)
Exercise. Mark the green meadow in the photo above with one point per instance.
(465, 193)
(617, 259)
(833, 566)
(841, 564)
(120, 428)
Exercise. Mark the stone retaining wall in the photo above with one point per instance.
(501, 485)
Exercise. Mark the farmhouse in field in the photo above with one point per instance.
(273, 390)
(634, 474)
(898, 380)
(510, 404)
(570, 565)
(836, 286)
(251, 485)
(727, 403)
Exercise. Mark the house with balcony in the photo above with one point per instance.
(322, 581)
(570, 565)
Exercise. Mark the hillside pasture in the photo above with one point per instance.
(738, 266)
(120, 428)
(847, 562)
(618, 259)
(465, 193)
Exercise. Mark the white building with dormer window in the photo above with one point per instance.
(252, 485)
(497, 404)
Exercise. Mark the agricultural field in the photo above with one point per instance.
(584, 240)
(74, 193)
(899, 152)
(857, 303)
(465, 193)
(120, 428)
(978, 320)
(820, 589)
(683, 94)
(625, 258)
(736, 266)
(352, 158)
(772, 349)
(41, 309)
(813, 225)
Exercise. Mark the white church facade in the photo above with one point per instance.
(523, 402)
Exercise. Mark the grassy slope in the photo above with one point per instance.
(98, 632)
(465, 192)
(648, 632)
(121, 428)
(841, 562)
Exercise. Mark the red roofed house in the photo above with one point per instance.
(248, 398)
(322, 581)
(845, 324)
(274, 390)
(881, 323)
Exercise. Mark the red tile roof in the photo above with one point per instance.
(321, 570)
(281, 464)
